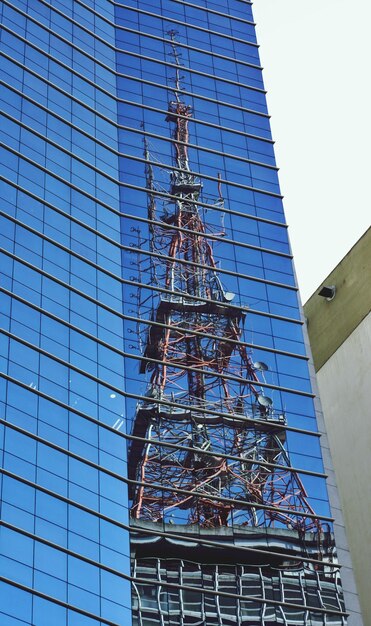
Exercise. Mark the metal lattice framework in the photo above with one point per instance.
(193, 358)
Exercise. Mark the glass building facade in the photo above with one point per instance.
(160, 460)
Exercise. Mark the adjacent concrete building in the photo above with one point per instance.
(339, 328)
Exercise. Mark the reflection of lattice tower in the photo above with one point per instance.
(215, 449)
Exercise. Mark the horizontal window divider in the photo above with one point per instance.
(148, 253)
(242, 598)
(185, 368)
(186, 492)
(154, 323)
(66, 451)
(149, 322)
(186, 68)
(114, 311)
(75, 22)
(127, 481)
(64, 499)
(55, 59)
(212, 237)
(142, 34)
(67, 551)
(196, 120)
(53, 600)
(146, 581)
(169, 196)
(107, 568)
(44, 108)
(60, 282)
(146, 220)
(168, 19)
(213, 11)
(139, 397)
(160, 583)
(180, 44)
(60, 117)
(120, 574)
(96, 60)
(169, 364)
(160, 194)
(160, 487)
(57, 35)
(170, 259)
(157, 583)
(223, 181)
(217, 498)
(195, 146)
(137, 283)
(193, 94)
(136, 396)
(134, 78)
(60, 90)
(104, 306)
(141, 105)
(142, 133)
(125, 155)
(128, 437)
(146, 531)
(162, 166)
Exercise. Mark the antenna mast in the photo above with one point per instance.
(227, 462)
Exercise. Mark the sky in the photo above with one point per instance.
(316, 56)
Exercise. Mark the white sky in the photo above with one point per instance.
(317, 60)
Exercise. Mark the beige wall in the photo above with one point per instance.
(340, 338)
(345, 390)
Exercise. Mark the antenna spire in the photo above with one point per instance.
(195, 361)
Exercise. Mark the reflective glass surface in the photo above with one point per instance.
(155, 394)
(64, 503)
